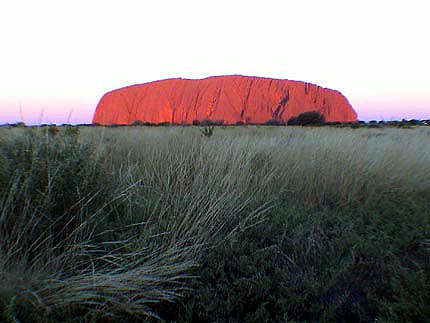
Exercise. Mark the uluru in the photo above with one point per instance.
(229, 99)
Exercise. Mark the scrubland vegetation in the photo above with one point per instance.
(247, 224)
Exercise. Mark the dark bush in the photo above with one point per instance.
(18, 124)
(292, 121)
(374, 125)
(275, 122)
(207, 131)
(138, 123)
(53, 130)
(217, 122)
(196, 122)
(209, 122)
(310, 118)
(332, 123)
(141, 123)
(413, 122)
(392, 123)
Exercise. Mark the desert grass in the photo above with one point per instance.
(107, 223)
(315, 164)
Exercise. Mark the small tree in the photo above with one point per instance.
(207, 131)
(53, 130)
(18, 124)
(310, 118)
(210, 122)
(137, 123)
(275, 122)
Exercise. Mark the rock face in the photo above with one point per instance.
(231, 99)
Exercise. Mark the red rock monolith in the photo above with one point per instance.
(230, 99)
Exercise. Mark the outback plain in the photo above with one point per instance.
(214, 224)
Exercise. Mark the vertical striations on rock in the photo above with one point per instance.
(231, 99)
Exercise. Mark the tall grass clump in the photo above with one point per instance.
(88, 231)
(57, 256)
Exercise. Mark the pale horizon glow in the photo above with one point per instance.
(58, 58)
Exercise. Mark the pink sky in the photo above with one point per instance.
(392, 109)
(59, 57)
(46, 111)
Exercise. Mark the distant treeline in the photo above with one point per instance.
(311, 118)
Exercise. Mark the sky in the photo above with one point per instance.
(57, 58)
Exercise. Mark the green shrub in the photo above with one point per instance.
(51, 174)
(207, 131)
(310, 118)
(275, 122)
(137, 123)
(18, 124)
(209, 122)
(50, 180)
(65, 251)
(320, 266)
